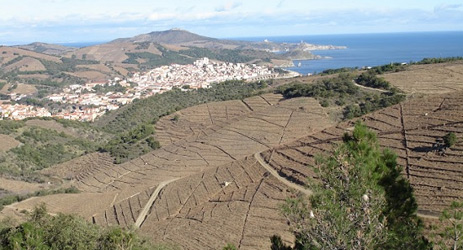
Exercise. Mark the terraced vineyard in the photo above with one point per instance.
(220, 134)
(236, 203)
(429, 79)
(411, 130)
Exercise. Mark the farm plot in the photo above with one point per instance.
(235, 203)
(191, 122)
(51, 124)
(411, 130)
(83, 204)
(258, 131)
(79, 167)
(26, 64)
(19, 187)
(7, 143)
(423, 78)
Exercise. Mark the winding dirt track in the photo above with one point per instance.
(142, 216)
(369, 88)
(273, 172)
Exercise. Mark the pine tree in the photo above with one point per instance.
(360, 201)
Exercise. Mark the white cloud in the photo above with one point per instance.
(228, 6)
(444, 7)
(225, 19)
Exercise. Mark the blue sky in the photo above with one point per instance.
(24, 21)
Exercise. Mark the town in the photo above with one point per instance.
(92, 101)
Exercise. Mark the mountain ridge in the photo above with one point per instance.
(172, 36)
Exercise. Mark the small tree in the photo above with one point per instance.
(229, 246)
(175, 118)
(360, 201)
(450, 139)
(451, 231)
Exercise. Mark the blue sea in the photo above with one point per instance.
(374, 49)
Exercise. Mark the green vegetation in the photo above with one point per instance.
(372, 103)
(450, 230)
(45, 147)
(229, 246)
(41, 148)
(341, 91)
(337, 71)
(10, 199)
(360, 201)
(369, 79)
(132, 144)
(43, 231)
(392, 67)
(7, 126)
(439, 60)
(339, 87)
(450, 139)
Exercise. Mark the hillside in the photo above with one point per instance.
(225, 167)
(181, 46)
(46, 48)
(178, 193)
(49, 68)
(47, 73)
(173, 36)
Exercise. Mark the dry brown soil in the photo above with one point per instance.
(429, 79)
(7, 143)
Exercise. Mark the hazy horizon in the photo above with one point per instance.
(246, 38)
(65, 21)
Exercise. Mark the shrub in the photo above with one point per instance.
(450, 139)
(43, 231)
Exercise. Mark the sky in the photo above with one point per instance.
(67, 21)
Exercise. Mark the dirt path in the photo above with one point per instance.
(283, 180)
(368, 88)
(142, 216)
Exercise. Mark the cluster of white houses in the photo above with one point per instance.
(141, 85)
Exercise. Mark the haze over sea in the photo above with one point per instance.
(374, 49)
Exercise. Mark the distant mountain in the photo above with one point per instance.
(172, 36)
(57, 65)
(46, 48)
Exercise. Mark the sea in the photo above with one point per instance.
(367, 50)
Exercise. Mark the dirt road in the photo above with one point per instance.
(283, 180)
(142, 216)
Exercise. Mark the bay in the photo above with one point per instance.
(374, 49)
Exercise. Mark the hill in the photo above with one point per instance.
(46, 48)
(172, 36)
(46, 72)
(51, 67)
(162, 47)
(224, 167)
